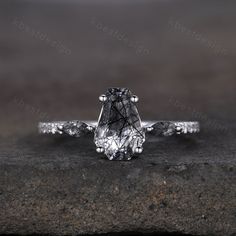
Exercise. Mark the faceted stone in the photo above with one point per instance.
(119, 129)
(163, 128)
(75, 128)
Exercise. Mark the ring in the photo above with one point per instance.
(119, 131)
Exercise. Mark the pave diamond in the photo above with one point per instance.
(119, 130)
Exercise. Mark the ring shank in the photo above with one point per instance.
(75, 128)
(168, 128)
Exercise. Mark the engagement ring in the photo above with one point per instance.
(119, 131)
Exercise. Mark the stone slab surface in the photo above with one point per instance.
(61, 186)
(56, 59)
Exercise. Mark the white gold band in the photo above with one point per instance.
(77, 128)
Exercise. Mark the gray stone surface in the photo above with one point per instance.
(185, 71)
(61, 186)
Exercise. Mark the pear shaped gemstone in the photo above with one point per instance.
(119, 131)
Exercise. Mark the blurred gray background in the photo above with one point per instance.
(57, 57)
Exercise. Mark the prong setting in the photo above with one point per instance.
(102, 98)
(138, 150)
(100, 150)
(134, 98)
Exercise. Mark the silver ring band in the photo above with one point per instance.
(77, 128)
